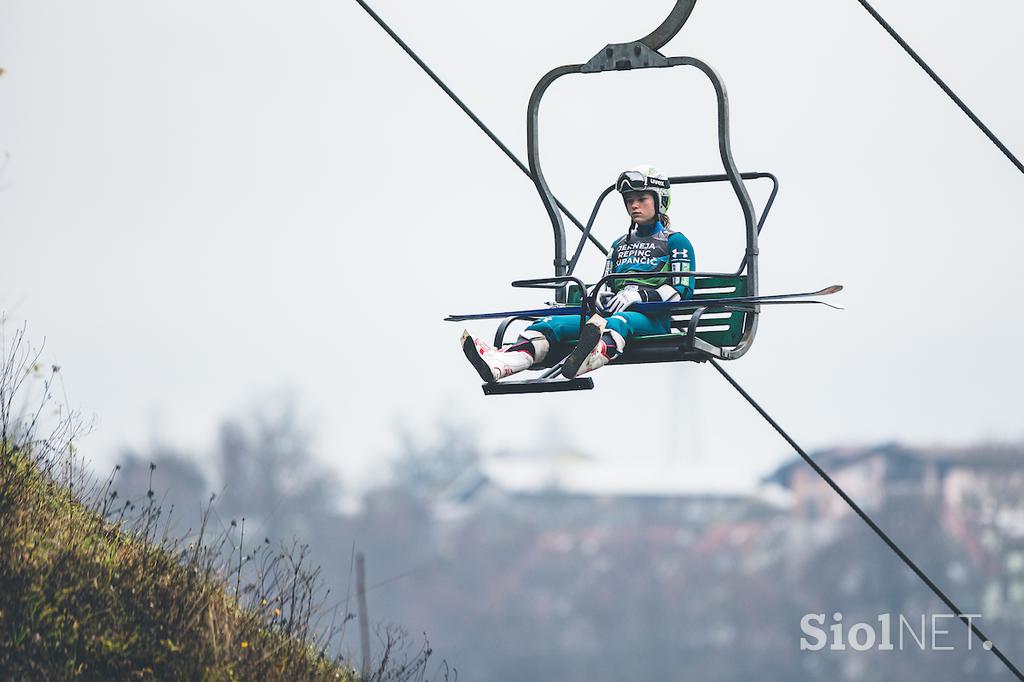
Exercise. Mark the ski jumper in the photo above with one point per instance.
(648, 250)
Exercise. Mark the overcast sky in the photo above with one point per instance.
(208, 205)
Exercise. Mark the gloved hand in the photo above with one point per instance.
(622, 300)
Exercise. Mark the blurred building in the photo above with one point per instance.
(985, 481)
(977, 494)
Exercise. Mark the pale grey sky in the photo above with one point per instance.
(207, 204)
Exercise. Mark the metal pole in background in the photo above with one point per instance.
(364, 619)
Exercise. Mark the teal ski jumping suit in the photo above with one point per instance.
(646, 250)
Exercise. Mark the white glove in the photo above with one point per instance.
(623, 300)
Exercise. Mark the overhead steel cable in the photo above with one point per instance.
(469, 112)
(986, 642)
(942, 84)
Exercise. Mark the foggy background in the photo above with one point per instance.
(202, 199)
(205, 206)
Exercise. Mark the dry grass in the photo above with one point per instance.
(92, 587)
(83, 596)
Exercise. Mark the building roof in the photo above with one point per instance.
(579, 475)
(987, 456)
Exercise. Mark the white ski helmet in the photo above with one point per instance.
(646, 178)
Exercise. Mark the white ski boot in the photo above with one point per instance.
(492, 364)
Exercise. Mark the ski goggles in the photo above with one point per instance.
(633, 181)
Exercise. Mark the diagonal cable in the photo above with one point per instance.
(945, 88)
(986, 642)
(480, 124)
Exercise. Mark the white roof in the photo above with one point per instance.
(576, 474)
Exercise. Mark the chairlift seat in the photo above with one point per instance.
(716, 329)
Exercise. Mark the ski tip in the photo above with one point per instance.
(834, 289)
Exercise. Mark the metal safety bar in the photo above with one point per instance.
(558, 284)
(681, 180)
(591, 299)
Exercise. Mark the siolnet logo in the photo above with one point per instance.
(909, 633)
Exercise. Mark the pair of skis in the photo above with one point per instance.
(806, 297)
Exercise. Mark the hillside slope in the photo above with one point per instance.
(88, 597)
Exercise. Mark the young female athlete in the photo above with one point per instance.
(649, 248)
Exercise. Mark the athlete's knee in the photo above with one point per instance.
(620, 325)
(538, 341)
(542, 329)
(557, 328)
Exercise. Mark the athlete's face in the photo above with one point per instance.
(640, 206)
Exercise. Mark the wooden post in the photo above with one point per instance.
(364, 619)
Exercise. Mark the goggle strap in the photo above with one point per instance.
(638, 182)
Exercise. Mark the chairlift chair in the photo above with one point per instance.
(706, 326)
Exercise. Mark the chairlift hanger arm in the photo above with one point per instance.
(653, 42)
(659, 37)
